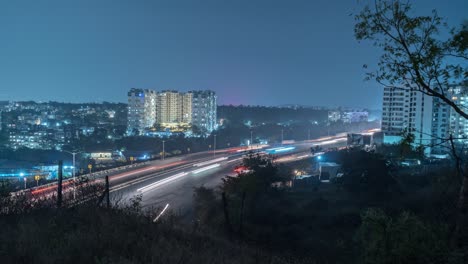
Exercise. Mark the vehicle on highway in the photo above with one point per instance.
(241, 169)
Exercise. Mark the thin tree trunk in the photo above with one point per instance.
(226, 214)
(107, 192)
(241, 220)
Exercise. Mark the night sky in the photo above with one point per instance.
(268, 52)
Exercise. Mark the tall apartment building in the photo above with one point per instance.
(141, 110)
(169, 107)
(440, 124)
(458, 124)
(407, 109)
(430, 119)
(187, 108)
(204, 105)
(173, 108)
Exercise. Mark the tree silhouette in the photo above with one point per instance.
(416, 56)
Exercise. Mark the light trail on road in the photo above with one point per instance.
(161, 182)
(206, 168)
(152, 168)
(209, 162)
(161, 213)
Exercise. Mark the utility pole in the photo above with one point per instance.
(107, 191)
(282, 136)
(251, 138)
(74, 177)
(59, 184)
(164, 151)
(214, 146)
(73, 172)
(308, 134)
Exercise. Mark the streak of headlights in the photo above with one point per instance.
(206, 168)
(162, 182)
(209, 162)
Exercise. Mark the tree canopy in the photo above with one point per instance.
(416, 51)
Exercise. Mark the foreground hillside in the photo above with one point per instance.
(99, 235)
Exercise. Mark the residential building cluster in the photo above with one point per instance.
(149, 110)
(429, 119)
(348, 116)
(52, 125)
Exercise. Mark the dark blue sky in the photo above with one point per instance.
(267, 52)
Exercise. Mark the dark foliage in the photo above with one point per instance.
(331, 223)
(98, 235)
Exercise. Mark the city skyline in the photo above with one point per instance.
(273, 53)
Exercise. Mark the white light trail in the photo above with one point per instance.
(161, 213)
(234, 160)
(161, 182)
(206, 168)
(209, 162)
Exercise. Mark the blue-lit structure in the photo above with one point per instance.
(48, 172)
(279, 150)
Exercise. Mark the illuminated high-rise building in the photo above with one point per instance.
(459, 124)
(428, 118)
(173, 108)
(407, 109)
(169, 107)
(204, 105)
(141, 110)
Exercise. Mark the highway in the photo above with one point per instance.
(171, 182)
(174, 186)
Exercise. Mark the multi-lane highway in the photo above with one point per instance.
(174, 187)
(171, 182)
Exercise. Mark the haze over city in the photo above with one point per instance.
(249, 52)
(242, 131)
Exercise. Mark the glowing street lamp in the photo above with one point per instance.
(73, 171)
(37, 178)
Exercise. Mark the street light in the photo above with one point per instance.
(214, 146)
(73, 171)
(37, 178)
(282, 136)
(251, 138)
(164, 152)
